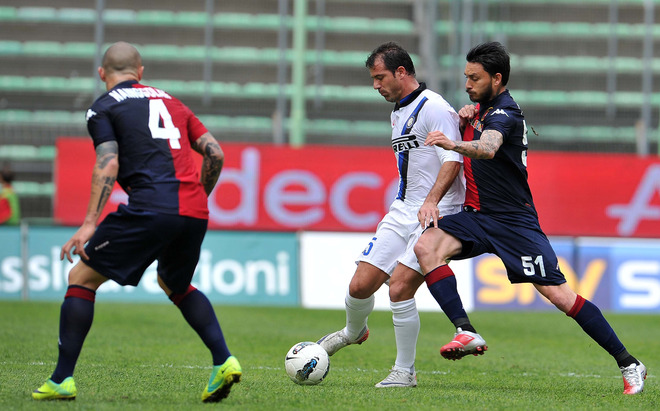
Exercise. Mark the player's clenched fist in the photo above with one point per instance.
(465, 114)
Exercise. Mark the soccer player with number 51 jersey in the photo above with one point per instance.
(499, 216)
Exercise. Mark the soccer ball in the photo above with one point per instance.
(307, 363)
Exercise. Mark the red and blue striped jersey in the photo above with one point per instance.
(154, 132)
(499, 185)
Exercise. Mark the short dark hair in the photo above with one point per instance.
(7, 175)
(393, 56)
(493, 57)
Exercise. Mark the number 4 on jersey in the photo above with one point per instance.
(157, 111)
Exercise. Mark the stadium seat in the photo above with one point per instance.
(43, 48)
(12, 83)
(119, 16)
(340, 24)
(8, 14)
(262, 90)
(58, 117)
(33, 189)
(155, 17)
(247, 123)
(10, 48)
(236, 21)
(15, 116)
(226, 90)
(160, 51)
(36, 14)
(584, 133)
(78, 50)
(27, 152)
(191, 18)
(77, 15)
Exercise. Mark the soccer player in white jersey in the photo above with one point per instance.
(431, 185)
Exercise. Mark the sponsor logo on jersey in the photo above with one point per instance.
(478, 123)
(499, 111)
(90, 113)
(405, 143)
(410, 122)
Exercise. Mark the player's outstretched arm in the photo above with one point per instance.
(214, 158)
(103, 180)
(485, 148)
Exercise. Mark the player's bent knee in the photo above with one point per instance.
(85, 276)
(401, 292)
(420, 247)
(423, 248)
(360, 290)
(561, 296)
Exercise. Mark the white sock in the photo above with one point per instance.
(406, 331)
(357, 311)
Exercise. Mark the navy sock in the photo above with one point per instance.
(76, 316)
(198, 312)
(589, 317)
(442, 285)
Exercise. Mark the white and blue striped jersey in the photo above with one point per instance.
(413, 118)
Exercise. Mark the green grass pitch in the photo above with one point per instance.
(145, 357)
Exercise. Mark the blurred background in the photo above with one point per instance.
(309, 172)
(292, 71)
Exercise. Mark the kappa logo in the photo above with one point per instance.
(499, 111)
(639, 208)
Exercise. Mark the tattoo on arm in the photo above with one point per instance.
(484, 148)
(213, 160)
(106, 189)
(106, 152)
(103, 177)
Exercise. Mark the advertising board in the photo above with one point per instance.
(349, 189)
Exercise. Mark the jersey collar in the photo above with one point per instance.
(125, 84)
(493, 101)
(410, 97)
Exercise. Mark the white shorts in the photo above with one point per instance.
(396, 236)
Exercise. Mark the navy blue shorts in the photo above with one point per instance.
(128, 241)
(516, 238)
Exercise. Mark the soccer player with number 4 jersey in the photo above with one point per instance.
(144, 140)
(499, 216)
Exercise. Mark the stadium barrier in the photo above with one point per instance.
(291, 269)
